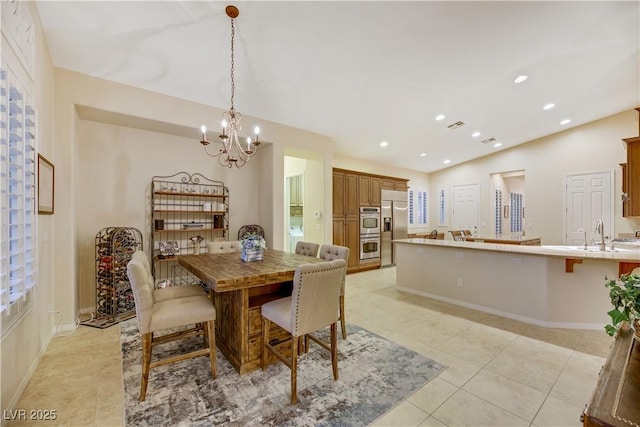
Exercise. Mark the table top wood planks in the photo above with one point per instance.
(227, 272)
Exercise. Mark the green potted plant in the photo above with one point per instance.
(625, 298)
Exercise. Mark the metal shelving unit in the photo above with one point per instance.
(183, 207)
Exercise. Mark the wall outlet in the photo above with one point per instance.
(460, 283)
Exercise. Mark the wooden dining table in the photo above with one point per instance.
(238, 290)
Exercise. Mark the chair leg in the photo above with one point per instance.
(334, 350)
(343, 322)
(211, 332)
(294, 370)
(146, 360)
(266, 325)
(306, 343)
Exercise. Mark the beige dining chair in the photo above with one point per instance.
(155, 315)
(224, 247)
(307, 248)
(161, 294)
(312, 306)
(331, 252)
(457, 235)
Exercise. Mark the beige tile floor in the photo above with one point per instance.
(500, 372)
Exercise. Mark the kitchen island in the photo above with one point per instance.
(551, 286)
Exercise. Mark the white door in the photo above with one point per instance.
(588, 199)
(465, 207)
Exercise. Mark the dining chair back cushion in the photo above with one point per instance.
(331, 252)
(142, 287)
(224, 247)
(314, 302)
(162, 294)
(307, 248)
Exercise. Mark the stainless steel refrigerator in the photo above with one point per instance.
(393, 224)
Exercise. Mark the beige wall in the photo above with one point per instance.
(107, 168)
(22, 348)
(596, 146)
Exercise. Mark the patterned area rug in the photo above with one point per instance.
(375, 375)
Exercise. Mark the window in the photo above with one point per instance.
(417, 207)
(498, 211)
(442, 207)
(516, 212)
(17, 200)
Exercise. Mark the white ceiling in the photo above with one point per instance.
(364, 72)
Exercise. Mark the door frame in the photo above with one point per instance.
(565, 209)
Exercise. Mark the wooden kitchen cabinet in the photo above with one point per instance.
(339, 194)
(375, 191)
(631, 179)
(351, 190)
(369, 188)
(346, 232)
(351, 195)
(631, 176)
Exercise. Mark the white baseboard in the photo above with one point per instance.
(525, 319)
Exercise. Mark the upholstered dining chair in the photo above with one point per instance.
(457, 235)
(331, 252)
(162, 294)
(307, 248)
(193, 315)
(312, 306)
(224, 247)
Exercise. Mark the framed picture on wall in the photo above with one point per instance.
(46, 176)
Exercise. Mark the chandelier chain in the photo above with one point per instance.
(233, 83)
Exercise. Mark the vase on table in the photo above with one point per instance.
(196, 248)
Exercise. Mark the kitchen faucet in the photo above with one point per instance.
(600, 230)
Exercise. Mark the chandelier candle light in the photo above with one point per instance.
(232, 152)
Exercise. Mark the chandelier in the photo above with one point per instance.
(232, 152)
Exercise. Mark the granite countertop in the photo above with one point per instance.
(515, 237)
(592, 252)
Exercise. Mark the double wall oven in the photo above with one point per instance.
(369, 233)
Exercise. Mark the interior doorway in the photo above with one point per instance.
(508, 202)
(303, 198)
(465, 207)
(588, 198)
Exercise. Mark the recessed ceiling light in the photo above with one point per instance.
(423, 154)
(440, 117)
(384, 144)
(520, 78)
(476, 134)
(446, 162)
(565, 121)
(548, 106)
(497, 144)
